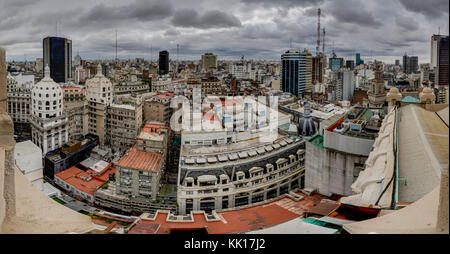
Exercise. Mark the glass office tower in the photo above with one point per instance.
(163, 62)
(58, 56)
(293, 72)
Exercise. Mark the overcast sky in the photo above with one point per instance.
(258, 29)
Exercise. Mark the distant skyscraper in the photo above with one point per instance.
(410, 64)
(358, 59)
(58, 56)
(405, 65)
(293, 72)
(439, 58)
(350, 64)
(348, 85)
(413, 64)
(163, 62)
(209, 61)
(335, 63)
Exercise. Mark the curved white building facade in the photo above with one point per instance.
(48, 121)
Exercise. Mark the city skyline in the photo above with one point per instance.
(254, 29)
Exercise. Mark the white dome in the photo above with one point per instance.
(47, 97)
(99, 88)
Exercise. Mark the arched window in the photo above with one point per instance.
(47, 103)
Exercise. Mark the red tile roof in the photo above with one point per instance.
(79, 179)
(141, 160)
(150, 127)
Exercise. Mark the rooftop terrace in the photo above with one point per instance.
(233, 221)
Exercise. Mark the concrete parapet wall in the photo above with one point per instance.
(330, 172)
(347, 144)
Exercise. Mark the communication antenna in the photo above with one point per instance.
(290, 43)
(176, 66)
(116, 44)
(318, 32)
(323, 41)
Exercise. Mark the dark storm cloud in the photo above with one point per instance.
(285, 3)
(171, 32)
(407, 23)
(139, 10)
(210, 19)
(9, 7)
(252, 28)
(352, 11)
(429, 8)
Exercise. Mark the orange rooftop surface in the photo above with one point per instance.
(153, 127)
(234, 221)
(141, 160)
(84, 181)
(164, 95)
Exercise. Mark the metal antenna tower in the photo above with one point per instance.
(323, 41)
(116, 44)
(318, 32)
(178, 59)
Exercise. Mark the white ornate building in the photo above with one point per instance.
(18, 89)
(99, 95)
(48, 122)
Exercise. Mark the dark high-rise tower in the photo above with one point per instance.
(350, 64)
(163, 62)
(405, 65)
(439, 58)
(57, 54)
(410, 64)
(293, 72)
(358, 59)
